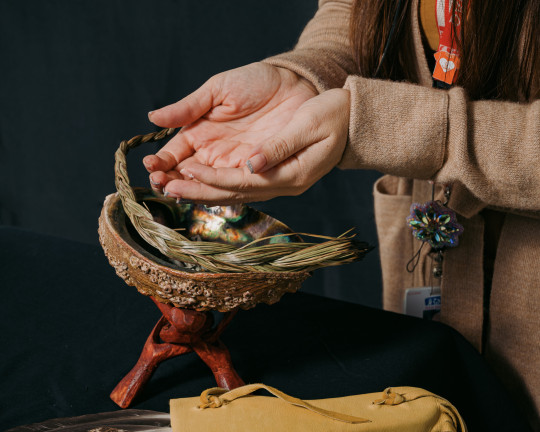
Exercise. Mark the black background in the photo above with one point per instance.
(77, 77)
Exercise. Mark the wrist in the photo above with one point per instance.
(297, 80)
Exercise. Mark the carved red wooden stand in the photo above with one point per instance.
(180, 331)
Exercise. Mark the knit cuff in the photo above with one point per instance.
(324, 75)
(396, 128)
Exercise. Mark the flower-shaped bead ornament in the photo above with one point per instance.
(435, 224)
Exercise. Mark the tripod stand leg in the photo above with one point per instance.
(153, 353)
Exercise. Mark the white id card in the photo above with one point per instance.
(422, 302)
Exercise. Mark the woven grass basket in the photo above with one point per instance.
(226, 275)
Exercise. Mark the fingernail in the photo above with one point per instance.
(186, 173)
(150, 115)
(153, 182)
(256, 163)
(166, 194)
(146, 163)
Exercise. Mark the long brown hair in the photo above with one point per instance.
(499, 43)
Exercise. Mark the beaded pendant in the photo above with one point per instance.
(434, 224)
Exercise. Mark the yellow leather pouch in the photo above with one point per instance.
(403, 409)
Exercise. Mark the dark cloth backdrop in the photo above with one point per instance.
(78, 76)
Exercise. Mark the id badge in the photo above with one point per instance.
(424, 302)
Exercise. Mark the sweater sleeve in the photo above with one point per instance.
(323, 53)
(490, 147)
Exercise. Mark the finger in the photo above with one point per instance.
(300, 132)
(159, 179)
(232, 179)
(209, 195)
(237, 156)
(172, 153)
(221, 153)
(188, 109)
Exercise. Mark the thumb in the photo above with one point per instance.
(187, 110)
(298, 134)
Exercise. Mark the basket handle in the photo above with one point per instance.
(120, 166)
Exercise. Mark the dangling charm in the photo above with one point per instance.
(437, 256)
(435, 224)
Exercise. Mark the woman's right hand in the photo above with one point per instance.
(227, 119)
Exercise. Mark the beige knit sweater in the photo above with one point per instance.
(488, 151)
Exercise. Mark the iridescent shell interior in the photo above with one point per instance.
(237, 225)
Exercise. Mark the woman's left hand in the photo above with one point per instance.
(309, 147)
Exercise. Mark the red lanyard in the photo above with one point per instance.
(447, 57)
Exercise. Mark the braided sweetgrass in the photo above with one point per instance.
(216, 257)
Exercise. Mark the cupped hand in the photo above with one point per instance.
(314, 140)
(227, 119)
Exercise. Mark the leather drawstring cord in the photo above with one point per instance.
(217, 397)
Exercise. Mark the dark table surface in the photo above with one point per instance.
(71, 329)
